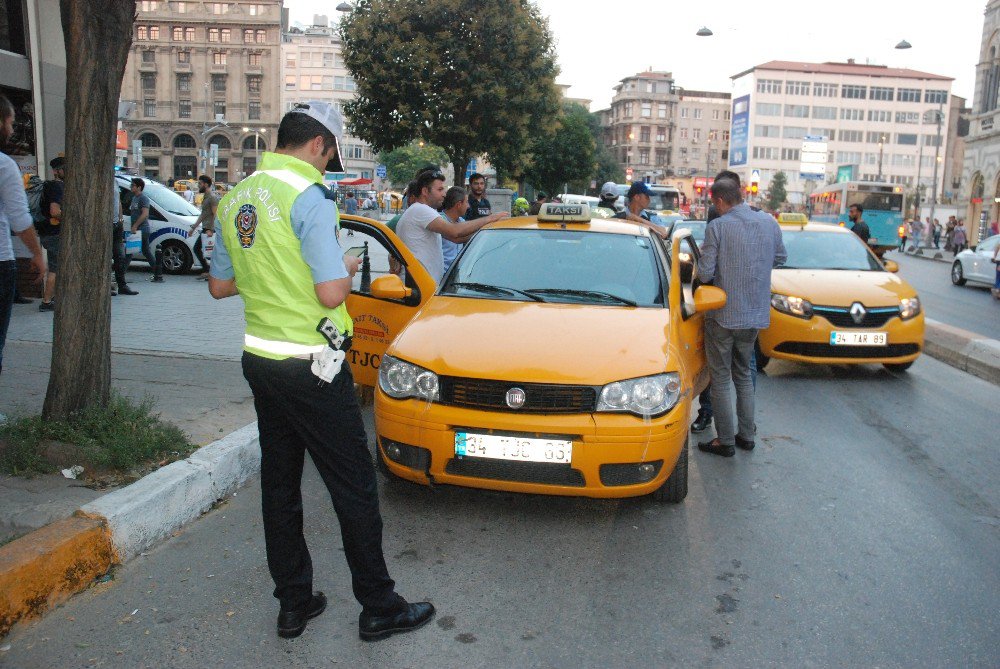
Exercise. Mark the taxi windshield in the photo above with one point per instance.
(827, 250)
(565, 266)
(168, 200)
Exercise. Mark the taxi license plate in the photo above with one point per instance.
(858, 339)
(523, 449)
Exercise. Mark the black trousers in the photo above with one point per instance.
(199, 255)
(295, 415)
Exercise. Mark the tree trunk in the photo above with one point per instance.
(98, 35)
(458, 163)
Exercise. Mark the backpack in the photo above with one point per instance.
(33, 190)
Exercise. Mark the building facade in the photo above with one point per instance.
(312, 68)
(879, 123)
(202, 86)
(702, 140)
(980, 192)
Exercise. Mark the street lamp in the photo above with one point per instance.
(704, 32)
(903, 44)
(345, 7)
(881, 141)
(256, 143)
(939, 113)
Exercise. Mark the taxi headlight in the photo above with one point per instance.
(400, 379)
(909, 307)
(645, 396)
(791, 305)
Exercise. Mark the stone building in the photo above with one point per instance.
(201, 74)
(980, 191)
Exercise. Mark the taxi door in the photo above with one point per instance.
(687, 324)
(378, 319)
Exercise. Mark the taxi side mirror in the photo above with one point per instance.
(390, 287)
(707, 298)
(891, 266)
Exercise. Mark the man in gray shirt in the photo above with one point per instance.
(740, 249)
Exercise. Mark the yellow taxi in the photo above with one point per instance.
(560, 355)
(834, 302)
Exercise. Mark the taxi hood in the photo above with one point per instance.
(841, 288)
(532, 341)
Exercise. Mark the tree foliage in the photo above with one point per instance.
(402, 164)
(98, 35)
(776, 193)
(469, 76)
(562, 156)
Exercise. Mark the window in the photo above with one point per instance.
(906, 139)
(766, 131)
(149, 108)
(697, 114)
(148, 5)
(148, 56)
(184, 83)
(142, 32)
(189, 34)
(154, 32)
(218, 7)
(715, 114)
(310, 82)
(184, 141)
(765, 152)
(218, 83)
(148, 82)
(826, 113)
(248, 38)
(177, 34)
(254, 60)
(796, 88)
(903, 160)
(725, 138)
(219, 108)
(261, 36)
(875, 137)
(822, 132)
(256, 10)
(219, 58)
(290, 82)
(825, 90)
(183, 56)
(684, 133)
(848, 157)
(854, 92)
(907, 117)
(797, 111)
(647, 110)
(254, 83)
(882, 93)
(343, 83)
(768, 86)
(661, 157)
(182, 7)
(213, 34)
(226, 34)
(253, 110)
(932, 140)
(661, 110)
(790, 154)
(850, 135)
(793, 132)
(184, 108)
(644, 134)
(879, 115)
(852, 114)
(684, 112)
(290, 59)
(908, 95)
(696, 134)
(255, 142)
(150, 141)
(768, 109)
(644, 156)
(936, 97)
(661, 133)
(220, 141)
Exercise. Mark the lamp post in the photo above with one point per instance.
(929, 237)
(256, 143)
(881, 141)
(708, 167)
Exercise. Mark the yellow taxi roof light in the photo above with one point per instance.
(557, 212)
(788, 217)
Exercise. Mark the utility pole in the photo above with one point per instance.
(929, 238)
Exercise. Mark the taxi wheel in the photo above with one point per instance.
(675, 488)
(957, 275)
(899, 366)
(759, 356)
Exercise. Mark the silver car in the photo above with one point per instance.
(976, 265)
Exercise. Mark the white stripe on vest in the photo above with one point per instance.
(296, 181)
(281, 347)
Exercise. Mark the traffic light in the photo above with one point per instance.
(747, 188)
(753, 188)
(698, 189)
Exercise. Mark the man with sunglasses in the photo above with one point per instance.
(421, 227)
(278, 248)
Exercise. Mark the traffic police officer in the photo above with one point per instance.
(278, 249)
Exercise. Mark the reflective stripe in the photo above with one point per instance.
(281, 347)
(296, 181)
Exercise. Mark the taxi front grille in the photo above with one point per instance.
(814, 350)
(539, 397)
(841, 317)
(516, 472)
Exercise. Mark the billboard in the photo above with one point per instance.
(739, 134)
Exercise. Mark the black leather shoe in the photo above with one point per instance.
(702, 422)
(293, 623)
(125, 290)
(745, 444)
(716, 447)
(413, 616)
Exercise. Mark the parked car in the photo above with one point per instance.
(170, 219)
(976, 265)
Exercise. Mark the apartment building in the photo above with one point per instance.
(201, 74)
(879, 123)
(312, 68)
(702, 139)
(980, 185)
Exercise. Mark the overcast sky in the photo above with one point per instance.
(600, 42)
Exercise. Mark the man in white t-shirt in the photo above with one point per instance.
(421, 226)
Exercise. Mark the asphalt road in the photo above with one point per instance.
(863, 531)
(970, 307)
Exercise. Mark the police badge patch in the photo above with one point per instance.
(246, 225)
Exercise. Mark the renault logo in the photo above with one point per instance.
(515, 398)
(858, 312)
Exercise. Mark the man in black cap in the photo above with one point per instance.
(536, 206)
(49, 229)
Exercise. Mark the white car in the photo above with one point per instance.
(170, 219)
(976, 265)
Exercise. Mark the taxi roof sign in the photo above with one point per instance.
(788, 217)
(558, 212)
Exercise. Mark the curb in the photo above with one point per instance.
(964, 350)
(47, 566)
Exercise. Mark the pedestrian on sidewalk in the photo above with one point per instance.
(14, 219)
(740, 249)
(949, 233)
(996, 281)
(139, 212)
(937, 233)
(286, 262)
(905, 233)
(958, 238)
(49, 230)
(209, 204)
(916, 229)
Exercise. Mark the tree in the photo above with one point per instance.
(471, 77)
(776, 193)
(402, 164)
(564, 155)
(98, 35)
